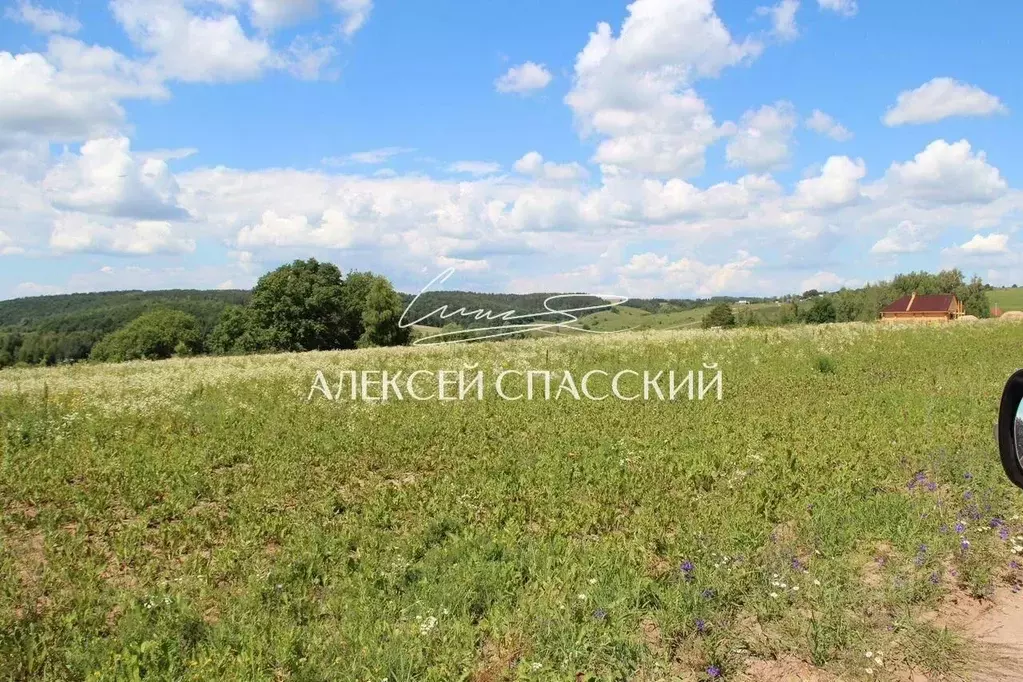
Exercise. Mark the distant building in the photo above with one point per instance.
(929, 308)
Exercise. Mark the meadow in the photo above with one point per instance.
(1007, 298)
(201, 519)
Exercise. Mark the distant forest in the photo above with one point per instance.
(48, 330)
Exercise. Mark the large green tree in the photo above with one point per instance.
(719, 316)
(153, 336)
(301, 307)
(235, 333)
(381, 313)
(821, 312)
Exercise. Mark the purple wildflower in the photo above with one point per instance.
(688, 569)
(960, 527)
(943, 529)
(1014, 565)
(967, 495)
(996, 522)
(967, 475)
(932, 486)
(935, 579)
(600, 614)
(965, 545)
(701, 625)
(714, 672)
(797, 565)
(1003, 533)
(708, 593)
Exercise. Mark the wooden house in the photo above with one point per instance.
(929, 308)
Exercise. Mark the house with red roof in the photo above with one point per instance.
(928, 308)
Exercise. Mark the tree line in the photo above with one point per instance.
(863, 304)
(309, 305)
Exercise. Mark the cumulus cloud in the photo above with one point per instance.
(838, 184)
(635, 90)
(475, 167)
(78, 233)
(762, 141)
(846, 8)
(371, 157)
(533, 164)
(942, 98)
(42, 19)
(822, 281)
(819, 122)
(946, 173)
(71, 92)
(524, 78)
(335, 230)
(210, 46)
(190, 47)
(906, 237)
(783, 19)
(993, 244)
(647, 273)
(7, 247)
(106, 178)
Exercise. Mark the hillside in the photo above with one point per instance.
(1007, 298)
(54, 329)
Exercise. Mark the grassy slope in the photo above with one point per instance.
(624, 317)
(197, 519)
(1007, 299)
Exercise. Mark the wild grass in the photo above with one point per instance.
(199, 519)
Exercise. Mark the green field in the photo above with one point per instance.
(624, 317)
(199, 519)
(1007, 299)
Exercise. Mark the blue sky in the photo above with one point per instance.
(663, 147)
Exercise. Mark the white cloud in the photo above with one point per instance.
(942, 98)
(335, 231)
(652, 273)
(524, 78)
(107, 179)
(475, 167)
(190, 47)
(993, 244)
(533, 164)
(33, 289)
(169, 154)
(762, 141)
(634, 91)
(7, 247)
(783, 19)
(70, 93)
(946, 173)
(77, 233)
(906, 237)
(371, 157)
(846, 8)
(837, 185)
(355, 12)
(822, 281)
(819, 122)
(42, 19)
